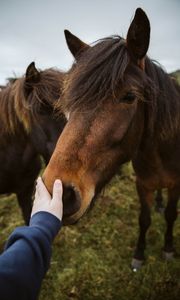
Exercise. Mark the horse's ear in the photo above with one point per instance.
(138, 36)
(32, 74)
(75, 45)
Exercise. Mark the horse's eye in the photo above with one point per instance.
(129, 97)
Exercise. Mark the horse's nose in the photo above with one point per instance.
(83, 203)
(71, 201)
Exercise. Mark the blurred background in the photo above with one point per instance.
(33, 30)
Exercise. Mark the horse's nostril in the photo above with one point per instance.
(71, 200)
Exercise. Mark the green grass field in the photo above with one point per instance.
(91, 260)
(176, 75)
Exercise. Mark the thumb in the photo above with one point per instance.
(57, 190)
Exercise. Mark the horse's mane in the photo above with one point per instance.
(17, 108)
(101, 70)
(166, 100)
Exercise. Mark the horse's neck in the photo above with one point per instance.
(161, 138)
(163, 114)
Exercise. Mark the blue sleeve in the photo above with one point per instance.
(26, 258)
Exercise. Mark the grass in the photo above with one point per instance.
(176, 74)
(91, 260)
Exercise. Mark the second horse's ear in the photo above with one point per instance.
(75, 45)
(32, 74)
(138, 36)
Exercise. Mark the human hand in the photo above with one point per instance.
(44, 202)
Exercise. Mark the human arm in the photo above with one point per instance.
(28, 250)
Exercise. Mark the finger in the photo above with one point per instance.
(41, 188)
(36, 190)
(57, 190)
(37, 184)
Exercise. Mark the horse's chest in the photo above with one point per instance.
(155, 173)
(161, 179)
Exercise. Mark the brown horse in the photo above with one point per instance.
(28, 129)
(121, 106)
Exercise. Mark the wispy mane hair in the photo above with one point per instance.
(18, 108)
(102, 69)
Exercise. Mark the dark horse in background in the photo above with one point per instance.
(28, 129)
(121, 106)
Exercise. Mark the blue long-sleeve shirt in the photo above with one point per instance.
(26, 258)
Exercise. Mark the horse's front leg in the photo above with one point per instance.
(146, 198)
(170, 216)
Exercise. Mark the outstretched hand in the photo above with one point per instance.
(44, 202)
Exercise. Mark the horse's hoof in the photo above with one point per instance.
(168, 255)
(136, 264)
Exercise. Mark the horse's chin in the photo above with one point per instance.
(69, 221)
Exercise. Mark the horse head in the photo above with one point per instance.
(103, 96)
